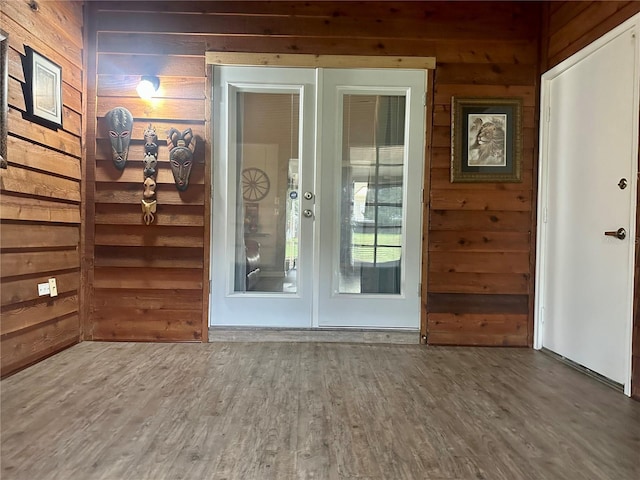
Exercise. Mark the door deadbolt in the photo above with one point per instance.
(620, 234)
(307, 213)
(308, 195)
(623, 183)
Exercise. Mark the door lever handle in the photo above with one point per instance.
(620, 234)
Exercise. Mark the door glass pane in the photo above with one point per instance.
(266, 235)
(372, 189)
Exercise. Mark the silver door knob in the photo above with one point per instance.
(620, 234)
(307, 213)
(308, 195)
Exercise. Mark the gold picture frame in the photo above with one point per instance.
(486, 139)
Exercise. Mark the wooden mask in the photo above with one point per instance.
(151, 152)
(120, 122)
(181, 147)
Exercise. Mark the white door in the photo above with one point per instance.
(264, 156)
(590, 151)
(291, 249)
(370, 229)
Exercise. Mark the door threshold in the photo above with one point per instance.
(324, 335)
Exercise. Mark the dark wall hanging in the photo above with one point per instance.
(181, 148)
(149, 202)
(120, 123)
(486, 140)
(42, 89)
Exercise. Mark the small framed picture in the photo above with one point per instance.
(43, 89)
(486, 139)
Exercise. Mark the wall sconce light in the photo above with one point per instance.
(148, 86)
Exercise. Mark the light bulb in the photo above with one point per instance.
(147, 87)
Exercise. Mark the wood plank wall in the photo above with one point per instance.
(571, 27)
(41, 191)
(148, 281)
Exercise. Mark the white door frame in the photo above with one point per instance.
(541, 280)
(213, 58)
(230, 79)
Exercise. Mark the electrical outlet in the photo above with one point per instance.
(53, 287)
(43, 289)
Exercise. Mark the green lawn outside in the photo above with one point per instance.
(388, 249)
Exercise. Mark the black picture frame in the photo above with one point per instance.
(42, 89)
(486, 139)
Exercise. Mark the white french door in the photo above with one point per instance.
(317, 197)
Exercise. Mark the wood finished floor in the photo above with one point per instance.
(324, 411)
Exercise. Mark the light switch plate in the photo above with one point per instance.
(53, 287)
(43, 289)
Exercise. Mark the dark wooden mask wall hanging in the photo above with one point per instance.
(181, 148)
(149, 202)
(120, 123)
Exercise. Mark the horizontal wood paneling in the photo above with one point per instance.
(479, 234)
(478, 303)
(479, 329)
(148, 299)
(41, 191)
(25, 288)
(37, 313)
(114, 323)
(24, 263)
(16, 235)
(479, 237)
(42, 159)
(25, 347)
(136, 256)
(169, 215)
(455, 50)
(165, 259)
(35, 209)
(592, 21)
(472, 282)
(475, 241)
(150, 236)
(137, 278)
(573, 26)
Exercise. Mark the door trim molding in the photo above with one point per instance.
(318, 61)
(541, 237)
(214, 58)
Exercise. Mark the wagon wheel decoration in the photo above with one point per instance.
(255, 184)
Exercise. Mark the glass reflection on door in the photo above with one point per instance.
(372, 191)
(267, 203)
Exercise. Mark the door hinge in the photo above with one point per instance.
(548, 114)
(424, 99)
(544, 215)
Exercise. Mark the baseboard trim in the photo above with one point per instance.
(581, 368)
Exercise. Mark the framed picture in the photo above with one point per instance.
(486, 139)
(4, 86)
(43, 90)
